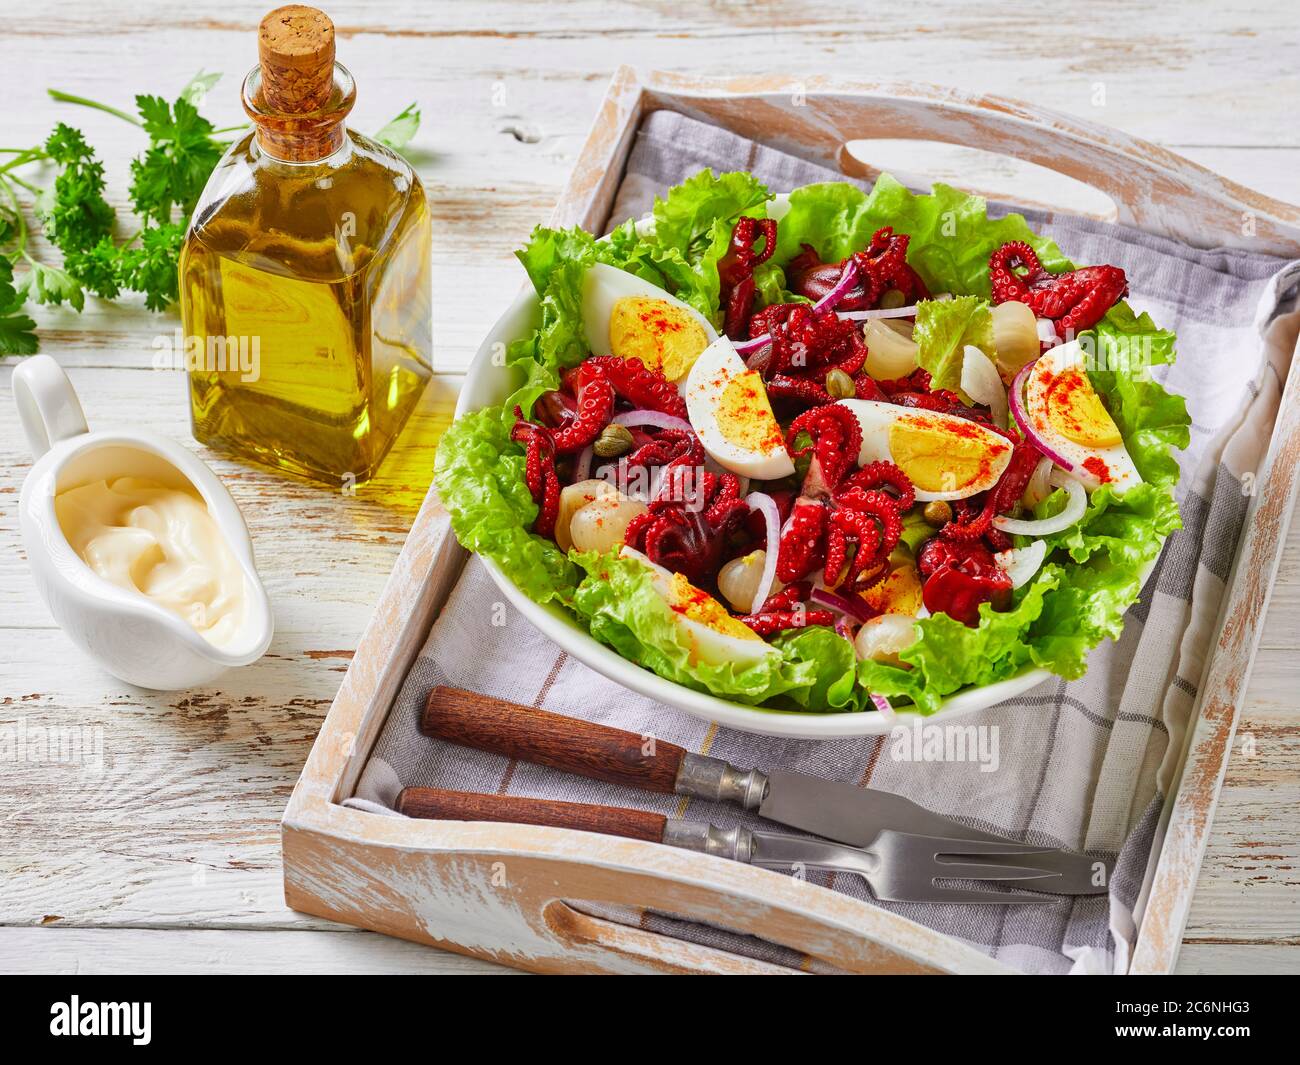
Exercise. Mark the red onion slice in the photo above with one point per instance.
(1021, 416)
(848, 278)
(1076, 506)
(766, 506)
(653, 418)
(882, 704)
(841, 604)
(844, 628)
(881, 312)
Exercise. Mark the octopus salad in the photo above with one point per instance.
(836, 451)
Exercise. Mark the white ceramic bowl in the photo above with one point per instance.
(488, 384)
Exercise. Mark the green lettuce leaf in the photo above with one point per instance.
(948, 655)
(812, 669)
(479, 475)
(557, 261)
(943, 329)
(1153, 422)
(693, 225)
(687, 218)
(1129, 528)
(952, 235)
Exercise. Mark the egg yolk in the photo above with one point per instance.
(1077, 413)
(899, 593)
(664, 337)
(744, 415)
(701, 607)
(942, 457)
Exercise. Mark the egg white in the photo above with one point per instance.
(877, 417)
(604, 285)
(1122, 472)
(718, 365)
(706, 644)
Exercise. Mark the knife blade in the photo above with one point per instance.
(849, 814)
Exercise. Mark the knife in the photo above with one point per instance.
(838, 811)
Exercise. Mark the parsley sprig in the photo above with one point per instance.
(167, 179)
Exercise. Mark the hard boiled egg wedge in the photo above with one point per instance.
(625, 316)
(730, 412)
(704, 624)
(1065, 411)
(944, 456)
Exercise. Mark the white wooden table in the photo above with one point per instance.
(168, 857)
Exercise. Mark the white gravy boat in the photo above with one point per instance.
(134, 638)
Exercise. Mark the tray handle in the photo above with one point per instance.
(509, 891)
(1153, 188)
(644, 948)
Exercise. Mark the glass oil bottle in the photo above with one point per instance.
(305, 275)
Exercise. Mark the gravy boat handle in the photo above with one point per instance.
(48, 406)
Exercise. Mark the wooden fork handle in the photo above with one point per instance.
(568, 744)
(439, 805)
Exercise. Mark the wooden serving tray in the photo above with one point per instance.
(503, 892)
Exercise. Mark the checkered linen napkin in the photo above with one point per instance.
(1084, 764)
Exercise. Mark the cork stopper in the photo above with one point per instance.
(295, 46)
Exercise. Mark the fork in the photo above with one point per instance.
(898, 866)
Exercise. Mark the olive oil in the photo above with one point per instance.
(310, 248)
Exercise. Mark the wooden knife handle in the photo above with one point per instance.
(439, 805)
(565, 743)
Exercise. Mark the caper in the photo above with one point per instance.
(893, 298)
(937, 513)
(615, 440)
(840, 385)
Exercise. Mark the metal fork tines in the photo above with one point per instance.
(900, 867)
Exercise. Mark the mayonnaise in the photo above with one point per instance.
(162, 543)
